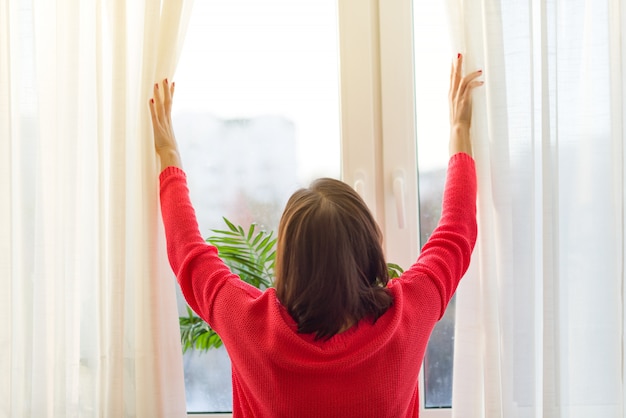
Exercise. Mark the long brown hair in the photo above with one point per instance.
(330, 267)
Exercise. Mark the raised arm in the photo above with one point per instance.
(199, 270)
(446, 256)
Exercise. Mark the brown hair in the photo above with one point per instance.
(330, 267)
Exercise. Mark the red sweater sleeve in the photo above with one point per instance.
(446, 255)
(199, 271)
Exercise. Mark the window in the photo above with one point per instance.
(256, 113)
(268, 72)
(415, 59)
(432, 54)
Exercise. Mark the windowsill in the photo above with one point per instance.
(428, 413)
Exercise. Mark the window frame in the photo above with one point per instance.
(377, 114)
(378, 85)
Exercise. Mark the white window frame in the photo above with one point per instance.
(378, 124)
(378, 117)
(379, 157)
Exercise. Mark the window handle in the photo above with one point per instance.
(359, 183)
(398, 193)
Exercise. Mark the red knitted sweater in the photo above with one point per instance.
(370, 370)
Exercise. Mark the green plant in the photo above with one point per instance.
(394, 270)
(249, 254)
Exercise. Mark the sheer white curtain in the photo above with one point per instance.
(540, 317)
(88, 322)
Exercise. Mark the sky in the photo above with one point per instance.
(245, 58)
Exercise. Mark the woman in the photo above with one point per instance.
(335, 337)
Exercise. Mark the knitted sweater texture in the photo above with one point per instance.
(370, 370)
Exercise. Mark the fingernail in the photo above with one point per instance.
(166, 81)
(458, 55)
(151, 100)
(156, 85)
(480, 71)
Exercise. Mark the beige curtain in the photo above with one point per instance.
(88, 322)
(539, 330)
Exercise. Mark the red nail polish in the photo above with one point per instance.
(166, 81)
(151, 100)
(458, 55)
(156, 85)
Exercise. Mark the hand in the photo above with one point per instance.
(460, 93)
(460, 97)
(161, 112)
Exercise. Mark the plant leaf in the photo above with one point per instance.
(250, 231)
(230, 225)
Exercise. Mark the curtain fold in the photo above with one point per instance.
(6, 244)
(539, 329)
(88, 320)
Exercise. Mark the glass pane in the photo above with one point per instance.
(256, 114)
(432, 54)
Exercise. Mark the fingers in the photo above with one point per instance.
(167, 97)
(459, 67)
(153, 115)
(456, 74)
(458, 83)
(461, 88)
(161, 102)
(158, 101)
(469, 82)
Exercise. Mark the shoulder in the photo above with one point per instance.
(416, 294)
